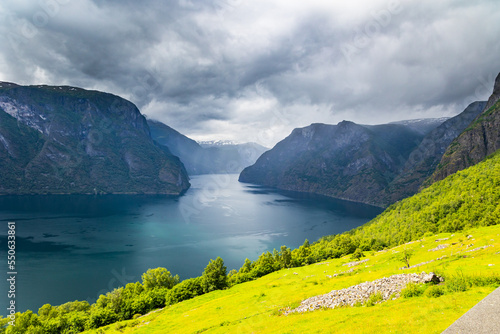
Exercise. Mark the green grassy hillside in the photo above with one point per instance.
(255, 307)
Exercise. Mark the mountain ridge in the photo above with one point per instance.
(480, 139)
(346, 161)
(214, 158)
(88, 142)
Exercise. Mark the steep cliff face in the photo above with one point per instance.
(423, 161)
(205, 160)
(480, 139)
(80, 141)
(347, 161)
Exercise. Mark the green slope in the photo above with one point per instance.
(469, 198)
(255, 307)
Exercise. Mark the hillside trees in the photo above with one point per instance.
(215, 276)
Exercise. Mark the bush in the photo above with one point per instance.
(100, 317)
(187, 289)
(412, 290)
(159, 278)
(357, 255)
(374, 298)
(458, 282)
(434, 291)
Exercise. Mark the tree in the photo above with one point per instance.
(159, 278)
(284, 257)
(265, 264)
(26, 322)
(215, 276)
(246, 267)
(406, 255)
(357, 255)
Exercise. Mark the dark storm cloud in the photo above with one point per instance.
(232, 68)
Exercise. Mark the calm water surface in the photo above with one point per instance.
(77, 247)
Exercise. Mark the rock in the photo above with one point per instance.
(431, 278)
(67, 140)
(346, 161)
(388, 287)
(480, 139)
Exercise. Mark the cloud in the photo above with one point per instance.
(254, 70)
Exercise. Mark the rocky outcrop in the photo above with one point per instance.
(388, 287)
(423, 161)
(67, 140)
(480, 139)
(211, 159)
(345, 161)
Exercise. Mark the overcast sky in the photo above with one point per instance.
(252, 70)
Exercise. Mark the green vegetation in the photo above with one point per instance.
(374, 298)
(413, 290)
(406, 255)
(464, 204)
(257, 306)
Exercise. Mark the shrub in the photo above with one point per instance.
(374, 298)
(412, 290)
(187, 289)
(159, 278)
(357, 255)
(434, 291)
(458, 282)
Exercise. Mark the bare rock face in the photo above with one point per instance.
(480, 139)
(345, 161)
(67, 140)
(495, 96)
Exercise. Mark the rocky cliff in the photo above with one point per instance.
(480, 139)
(60, 140)
(423, 161)
(207, 159)
(346, 161)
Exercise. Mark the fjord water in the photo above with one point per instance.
(77, 247)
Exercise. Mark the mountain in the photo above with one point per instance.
(480, 139)
(422, 125)
(211, 143)
(346, 161)
(464, 200)
(423, 161)
(67, 140)
(208, 158)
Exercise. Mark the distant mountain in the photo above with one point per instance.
(67, 140)
(423, 125)
(480, 139)
(346, 161)
(211, 143)
(423, 161)
(210, 157)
